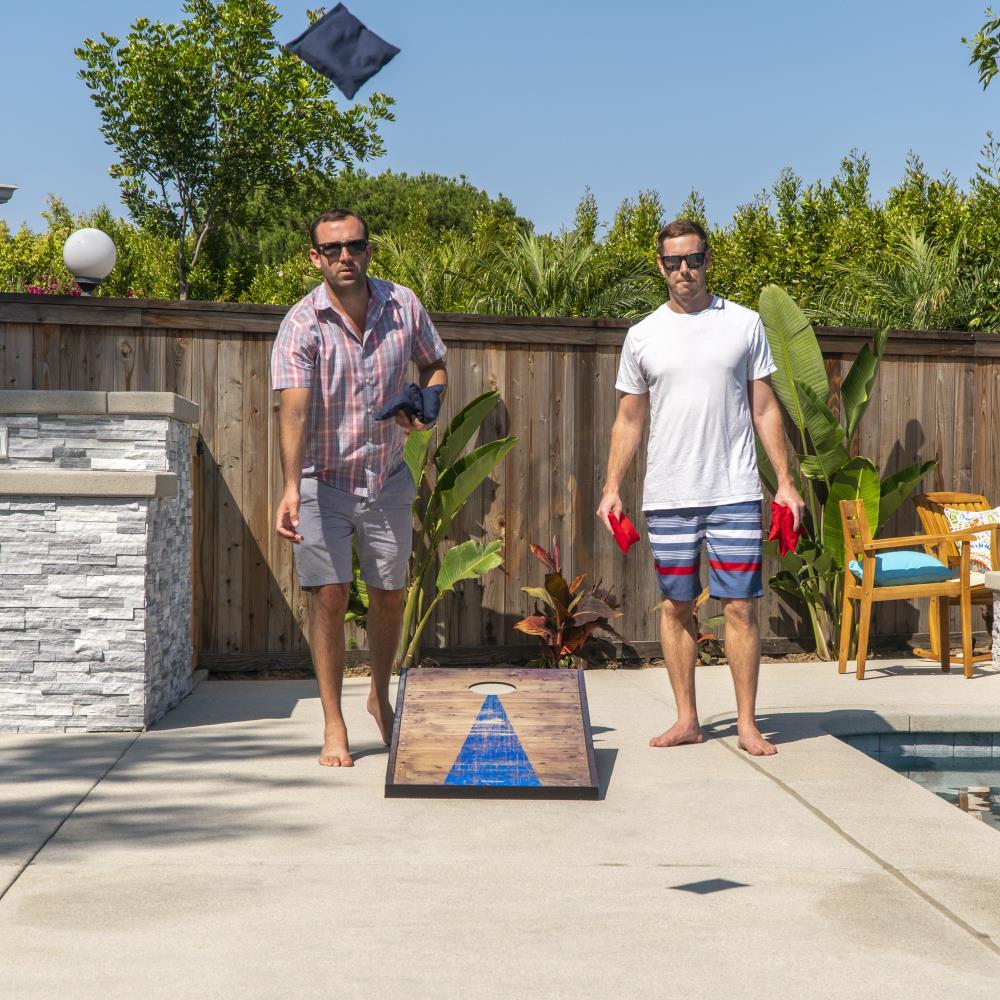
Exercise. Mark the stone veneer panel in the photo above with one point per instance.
(95, 593)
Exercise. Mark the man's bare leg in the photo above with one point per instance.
(326, 644)
(677, 636)
(743, 654)
(385, 620)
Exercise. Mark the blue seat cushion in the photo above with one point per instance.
(905, 567)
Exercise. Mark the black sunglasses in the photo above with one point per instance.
(672, 262)
(333, 250)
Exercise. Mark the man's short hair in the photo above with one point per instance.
(336, 215)
(682, 227)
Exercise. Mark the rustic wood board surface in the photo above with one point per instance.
(531, 742)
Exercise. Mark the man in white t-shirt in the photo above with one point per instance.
(699, 366)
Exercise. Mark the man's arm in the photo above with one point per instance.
(293, 415)
(767, 422)
(625, 437)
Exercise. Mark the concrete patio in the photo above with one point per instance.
(212, 857)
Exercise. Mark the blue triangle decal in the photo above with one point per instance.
(492, 754)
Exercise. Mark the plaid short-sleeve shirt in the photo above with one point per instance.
(351, 379)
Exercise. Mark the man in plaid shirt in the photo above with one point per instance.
(342, 353)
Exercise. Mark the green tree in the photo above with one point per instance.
(917, 284)
(985, 47)
(276, 223)
(205, 112)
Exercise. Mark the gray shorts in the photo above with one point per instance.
(383, 528)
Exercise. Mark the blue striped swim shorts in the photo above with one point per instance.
(733, 534)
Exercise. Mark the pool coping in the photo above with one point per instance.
(946, 857)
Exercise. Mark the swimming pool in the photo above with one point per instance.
(961, 768)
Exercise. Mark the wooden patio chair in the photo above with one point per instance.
(859, 545)
(930, 507)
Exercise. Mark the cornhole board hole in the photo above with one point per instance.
(492, 732)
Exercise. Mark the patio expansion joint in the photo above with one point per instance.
(76, 805)
(984, 939)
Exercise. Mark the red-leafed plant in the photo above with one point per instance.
(567, 613)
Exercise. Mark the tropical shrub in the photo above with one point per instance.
(445, 479)
(568, 612)
(827, 472)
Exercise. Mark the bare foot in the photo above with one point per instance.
(678, 734)
(381, 710)
(755, 744)
(335, 752)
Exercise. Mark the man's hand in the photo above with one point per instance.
(287, 521)
(611, 503)
(788, 495)
(410, 425)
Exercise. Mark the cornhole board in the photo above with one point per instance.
(524, 734)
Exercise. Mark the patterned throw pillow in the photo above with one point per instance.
(959, 520)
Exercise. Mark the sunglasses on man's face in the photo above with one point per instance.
(672, 262)
(332, 251)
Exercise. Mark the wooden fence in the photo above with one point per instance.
(937, 397)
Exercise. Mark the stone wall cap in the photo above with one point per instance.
(62, 483)
(149, 404)
(17, 401)
(993, 581)
(75, 402)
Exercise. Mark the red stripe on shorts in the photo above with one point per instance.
(676, 570)
(737, 567)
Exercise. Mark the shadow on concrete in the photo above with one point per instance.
(789, 727)
(244, 701)
(605, 760)
(165, 789)
(873, 671)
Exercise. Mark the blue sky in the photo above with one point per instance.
(540, 99)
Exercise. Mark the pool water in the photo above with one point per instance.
(961, 768)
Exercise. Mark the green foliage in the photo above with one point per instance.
(445, 478)
(145, 267)
(918, 284)
(828, 473)
(985, 47)
(567, 612)
(926, 257)
(276, 222)
(205, 112)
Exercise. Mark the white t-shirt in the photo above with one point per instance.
(695, 367)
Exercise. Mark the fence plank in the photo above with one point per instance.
(16, 349)
(230, 459)
(255, 504)
(497, 425)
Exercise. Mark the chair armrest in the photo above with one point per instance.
(903, 540)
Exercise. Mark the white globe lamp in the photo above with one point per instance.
(90, 256)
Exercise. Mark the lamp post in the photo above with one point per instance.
(90, 256)
(6, 190)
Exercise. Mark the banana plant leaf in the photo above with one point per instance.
(415, 453)
(795, 350)
(898, 487)
(460, 480)
(467, 561)
(787, 583)
(825, 435)
(463, 428)
(856, 391)
(858, 480)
